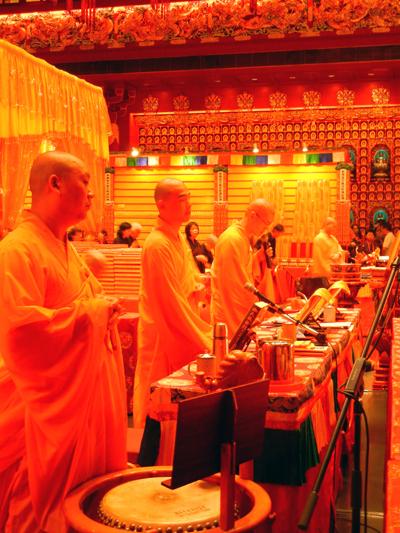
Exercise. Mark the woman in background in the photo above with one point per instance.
(192, 232)
(75, 234)
(124, 234)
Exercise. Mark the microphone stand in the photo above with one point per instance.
(353, 392)
(319, 337)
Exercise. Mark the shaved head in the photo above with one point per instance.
(329, 225)
(328, 221)
(258, 216)
(261, 207)
(51, 163)
(165, 187)
(173, 201)
(61, 195)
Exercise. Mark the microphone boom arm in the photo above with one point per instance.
(320, 337)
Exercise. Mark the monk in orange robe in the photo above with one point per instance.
(232, 265)
(61, 373)
(170, 331)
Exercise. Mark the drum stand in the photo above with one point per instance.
(216, 432)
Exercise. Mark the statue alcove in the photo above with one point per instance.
(380, 163)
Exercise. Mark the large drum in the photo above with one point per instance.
(135, 500)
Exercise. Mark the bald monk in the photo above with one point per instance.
(170, 331)
(326, 249)
(61, 367)
(232, 265)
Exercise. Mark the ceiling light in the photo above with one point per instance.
(292, 77)
(331, 75)
(371, 73)
(254, 79)
(134, 151)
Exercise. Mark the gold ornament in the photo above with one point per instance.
(312, 98)
(345, 97)
(245, 101)
(181, 103)
(150, 104)
(278, 100)
(212, 102)
(380, 96)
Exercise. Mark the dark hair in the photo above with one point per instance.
(279, 227)
(188, 227)
(384, 224)
(122, 227)
(73, 231)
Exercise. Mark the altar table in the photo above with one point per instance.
(392, 499)
(298, 425)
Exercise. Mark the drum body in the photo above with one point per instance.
(89, 506)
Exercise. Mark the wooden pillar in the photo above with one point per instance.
(108, 219)
(220, 199)
(343, 206)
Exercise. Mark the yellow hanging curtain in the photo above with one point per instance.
(37, 102)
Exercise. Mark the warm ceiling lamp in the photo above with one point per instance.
(134, 151)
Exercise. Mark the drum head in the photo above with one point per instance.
(145, 503)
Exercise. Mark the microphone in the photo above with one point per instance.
(250, 287)
(320, 337)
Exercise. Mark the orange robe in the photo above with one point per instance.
(230, 271)
(66, 381)
(325, 249)
(170, 331)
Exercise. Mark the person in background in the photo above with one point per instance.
(170, 331)
(102, 237)
(367, 250)
(62, 387)
(264, 262)
(355, 232)
(192, 232)
(369, 243)
(124, 234)
(232, 265)
(355, 241)
(136, 230)
(75, 234)
(384, 232)
(269, 240)
(326, 250)
(208, 248)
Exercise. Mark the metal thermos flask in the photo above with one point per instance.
(220, 341)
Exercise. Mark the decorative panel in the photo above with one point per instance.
(134, 189)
